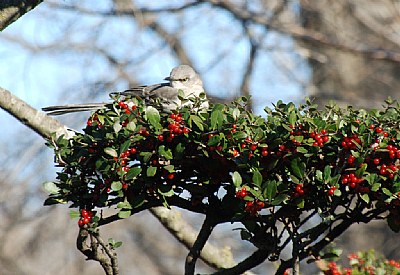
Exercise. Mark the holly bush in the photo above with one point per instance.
(364, 263)
(297, 177)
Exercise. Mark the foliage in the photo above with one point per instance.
(271, 174)
(364, 263)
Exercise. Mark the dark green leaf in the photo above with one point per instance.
(133, 173)
(216, 118)
(166, 153)
(257, 178)
(116, 185)
(125, 146)
(297, 167)
(123, 214)
(279, 199)
(131, 126)
(271, 190)
(73, 214)
(166, 190)
(365, 198)
(197, 121)
(146, 156)
(327, 173)
(110, 151)
(153, 116)
(237, 179)
(124, 205)
(151, 171)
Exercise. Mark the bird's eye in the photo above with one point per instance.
(186, 79)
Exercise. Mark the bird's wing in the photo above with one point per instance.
(72, 108)
(163, 91)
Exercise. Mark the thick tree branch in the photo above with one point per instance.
(11, 10)
(34, 119)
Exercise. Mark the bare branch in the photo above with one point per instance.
(11, 10)
(37, 121)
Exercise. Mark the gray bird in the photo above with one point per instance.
(182, 78)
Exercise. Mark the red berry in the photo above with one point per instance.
(264, 153)
(171, 176)
(133, 151)
(243, 145)
(89, 122)
(323, 131)
(160, 137)
(385, 134)
(81, 223)
(351, 159)
(186, 130)
(378, 130)
(173, 116)
(253, 147)
(376, 161)
(126, 168)
(282, 147)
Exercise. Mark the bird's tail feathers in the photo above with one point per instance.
(73, 108)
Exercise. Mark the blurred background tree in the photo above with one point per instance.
(77, 51)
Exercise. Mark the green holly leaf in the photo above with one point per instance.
(197, 121)
(271, 190)
(165, 152)
(257, 178)
(217, 117)
(236, 179)
(123, 214)
(298, 167)
(116, 185)
(166, 190)
(151, 171)
(110, 151)
(153, 116)
(133, 173)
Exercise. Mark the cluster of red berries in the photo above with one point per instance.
(128, 108)
(241, 193)
(350, 142)
(252, 207)
(394, 263)
(351, 179)
(124, 158)
(298, 191)
(333, 270)
(378, 130)
(319, 138)
(176, 127)
(86, 217)
(95, 118)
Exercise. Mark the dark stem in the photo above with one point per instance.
(106, 255)
(253, 260)
(194, 253)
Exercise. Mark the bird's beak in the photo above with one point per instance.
(167, 78)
